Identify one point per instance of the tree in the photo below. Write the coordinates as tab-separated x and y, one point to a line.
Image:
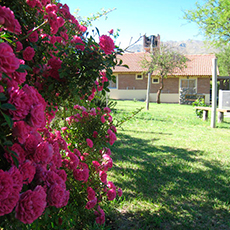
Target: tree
162	62
223	61
213	18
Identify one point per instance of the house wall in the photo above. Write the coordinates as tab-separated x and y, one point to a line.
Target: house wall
129	81
128	87
203	85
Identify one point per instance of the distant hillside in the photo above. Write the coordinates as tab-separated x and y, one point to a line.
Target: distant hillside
185	47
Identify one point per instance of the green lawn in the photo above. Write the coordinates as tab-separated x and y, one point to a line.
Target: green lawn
174	170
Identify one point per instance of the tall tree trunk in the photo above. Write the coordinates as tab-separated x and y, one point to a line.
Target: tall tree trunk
159	91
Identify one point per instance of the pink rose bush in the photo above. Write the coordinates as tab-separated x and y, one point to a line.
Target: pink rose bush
47	64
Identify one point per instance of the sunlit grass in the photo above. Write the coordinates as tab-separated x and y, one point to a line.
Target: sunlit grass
174	170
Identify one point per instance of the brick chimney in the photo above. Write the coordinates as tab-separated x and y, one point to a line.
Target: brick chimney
155	40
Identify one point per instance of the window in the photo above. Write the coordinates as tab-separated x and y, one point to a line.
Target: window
112	85
189	84
139	77
155	80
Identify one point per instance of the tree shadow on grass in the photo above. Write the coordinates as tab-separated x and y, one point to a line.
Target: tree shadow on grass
182	189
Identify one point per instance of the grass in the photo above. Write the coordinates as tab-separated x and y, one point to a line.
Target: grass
174	170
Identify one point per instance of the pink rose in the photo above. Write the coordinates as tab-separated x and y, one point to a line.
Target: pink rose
43	153
33	37
91	193
111	194
21	101
102	119
52	178
111	31
80	45
81	174
91	203
7	205
21	131
100	216
31	3
8	61
28	53
57	196
111	185
31	144
74	160
119	191
8	20
89	143
19	46
31	205
95	134
27	170
103	176
19	77
17	179
19	151
6	185
37	116
106	44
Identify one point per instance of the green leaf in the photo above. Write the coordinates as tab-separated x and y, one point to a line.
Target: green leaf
5	76
15	160
8	106
2	97
23	68
8	143
8	119
97	31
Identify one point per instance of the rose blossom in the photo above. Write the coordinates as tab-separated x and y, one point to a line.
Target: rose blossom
119	191
89	143
111	194
8	204
37	116
17	179
19	151
100	215
8	20
91	203
33	37
19	46
80	45
31	143
8	61
43	153
28	53
21	131
27	170
103	176
6	184
91	193
106	44
31	205
19	77
57	196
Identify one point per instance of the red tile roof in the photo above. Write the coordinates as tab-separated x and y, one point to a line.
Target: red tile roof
197	65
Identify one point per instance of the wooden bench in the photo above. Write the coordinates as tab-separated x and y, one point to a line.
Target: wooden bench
220	112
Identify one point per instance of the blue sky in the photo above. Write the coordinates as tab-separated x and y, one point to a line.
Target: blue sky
139	17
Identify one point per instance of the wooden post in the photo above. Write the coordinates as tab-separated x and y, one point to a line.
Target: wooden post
214	92
148	91
149	79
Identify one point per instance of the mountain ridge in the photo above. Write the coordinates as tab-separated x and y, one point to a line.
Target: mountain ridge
184	46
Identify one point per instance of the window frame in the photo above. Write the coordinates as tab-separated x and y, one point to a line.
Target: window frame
157	78
136	77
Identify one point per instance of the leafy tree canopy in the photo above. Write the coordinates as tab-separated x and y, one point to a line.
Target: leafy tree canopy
213	19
